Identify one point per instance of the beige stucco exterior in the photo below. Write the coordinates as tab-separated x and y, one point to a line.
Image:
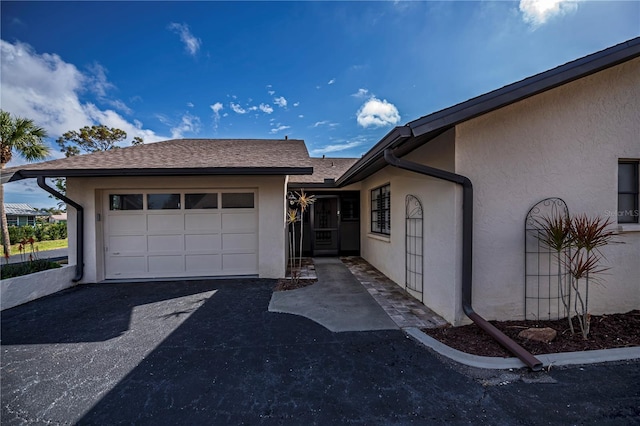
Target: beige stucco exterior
442	223
88	192
565	143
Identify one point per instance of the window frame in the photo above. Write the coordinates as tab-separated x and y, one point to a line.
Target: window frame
635	191
381	211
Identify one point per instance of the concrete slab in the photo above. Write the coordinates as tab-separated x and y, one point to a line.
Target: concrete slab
337	301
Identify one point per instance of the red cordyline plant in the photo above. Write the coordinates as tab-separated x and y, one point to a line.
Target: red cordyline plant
555	233
582	237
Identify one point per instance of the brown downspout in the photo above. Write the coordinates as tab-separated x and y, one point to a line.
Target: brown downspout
79	226
467	245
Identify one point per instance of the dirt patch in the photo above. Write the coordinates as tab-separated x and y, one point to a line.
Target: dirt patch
607	332
285	284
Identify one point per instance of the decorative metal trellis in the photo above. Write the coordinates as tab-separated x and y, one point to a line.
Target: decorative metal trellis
547	280
413	244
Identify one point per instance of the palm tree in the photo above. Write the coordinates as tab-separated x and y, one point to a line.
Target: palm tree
22	137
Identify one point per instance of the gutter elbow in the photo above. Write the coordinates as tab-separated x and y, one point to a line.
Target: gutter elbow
390	158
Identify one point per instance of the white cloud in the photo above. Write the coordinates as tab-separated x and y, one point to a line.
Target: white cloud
325	123
190	104
271	92
377	113
301	116
338	147
237	108
99	83
296	104
361	93
119	105
538	12
46	89
281	101
266	108
216	108
252	108
333	80
279	128
188	123
191	43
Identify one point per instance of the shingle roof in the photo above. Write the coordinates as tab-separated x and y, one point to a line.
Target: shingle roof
22	209
324	168
181	156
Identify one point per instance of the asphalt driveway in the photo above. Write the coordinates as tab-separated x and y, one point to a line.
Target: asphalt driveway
209	352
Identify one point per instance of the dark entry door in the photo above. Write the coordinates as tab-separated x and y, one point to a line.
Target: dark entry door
325	226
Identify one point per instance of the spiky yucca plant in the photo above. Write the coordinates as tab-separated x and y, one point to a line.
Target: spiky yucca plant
304	201
292	218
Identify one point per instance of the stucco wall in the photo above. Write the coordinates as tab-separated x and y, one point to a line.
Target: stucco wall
563	143
18	290
441	224
270	202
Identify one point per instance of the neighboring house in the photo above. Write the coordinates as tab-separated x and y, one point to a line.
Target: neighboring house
20	214
58	218
217	207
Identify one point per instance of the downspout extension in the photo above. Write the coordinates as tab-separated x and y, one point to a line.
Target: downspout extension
79	226
467	251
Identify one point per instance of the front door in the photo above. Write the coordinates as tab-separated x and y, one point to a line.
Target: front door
325	226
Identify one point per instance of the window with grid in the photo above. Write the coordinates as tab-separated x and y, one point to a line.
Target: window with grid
381	210
628	183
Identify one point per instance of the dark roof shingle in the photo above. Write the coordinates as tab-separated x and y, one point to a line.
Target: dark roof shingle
324	168
182	155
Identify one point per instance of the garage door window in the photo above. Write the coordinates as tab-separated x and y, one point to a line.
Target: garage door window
201	201
163	201
125	202
237	200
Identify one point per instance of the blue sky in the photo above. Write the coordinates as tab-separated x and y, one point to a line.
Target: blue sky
339	75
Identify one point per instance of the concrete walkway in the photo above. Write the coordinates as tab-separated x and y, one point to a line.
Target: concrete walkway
337	301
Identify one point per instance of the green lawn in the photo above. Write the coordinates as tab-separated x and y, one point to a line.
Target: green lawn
40	246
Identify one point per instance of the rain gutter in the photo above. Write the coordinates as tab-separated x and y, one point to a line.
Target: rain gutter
79	226
467	246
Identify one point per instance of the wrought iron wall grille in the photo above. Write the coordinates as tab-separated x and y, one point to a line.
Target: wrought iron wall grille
413	244
546	280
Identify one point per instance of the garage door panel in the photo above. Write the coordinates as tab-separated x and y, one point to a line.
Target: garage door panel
165	243
128	244
124	224
239	241
211	240
209	264
239	262
202	222
202	242
166	265
165	222
128	266
245	221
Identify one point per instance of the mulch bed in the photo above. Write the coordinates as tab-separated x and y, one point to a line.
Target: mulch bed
607	331
285	284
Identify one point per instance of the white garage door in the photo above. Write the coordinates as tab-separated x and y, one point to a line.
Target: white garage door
186	233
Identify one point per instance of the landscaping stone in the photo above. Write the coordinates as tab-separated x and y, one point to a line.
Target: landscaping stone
545	334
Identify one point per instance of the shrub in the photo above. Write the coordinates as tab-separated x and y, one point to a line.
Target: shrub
40	232
18	269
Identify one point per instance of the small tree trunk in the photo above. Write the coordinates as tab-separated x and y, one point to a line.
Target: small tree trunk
5	227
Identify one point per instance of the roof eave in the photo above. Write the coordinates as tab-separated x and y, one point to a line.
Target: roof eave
528	87
396	135
212	171
437	123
